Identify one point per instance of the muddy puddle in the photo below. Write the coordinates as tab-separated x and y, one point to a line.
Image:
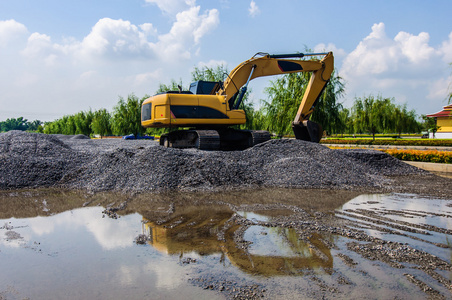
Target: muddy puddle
271	244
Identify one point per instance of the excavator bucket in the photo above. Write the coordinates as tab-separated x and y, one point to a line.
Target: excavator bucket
308	131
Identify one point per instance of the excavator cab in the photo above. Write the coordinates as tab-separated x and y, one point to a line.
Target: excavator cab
201	87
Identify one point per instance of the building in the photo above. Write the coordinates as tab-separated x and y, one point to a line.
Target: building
444	120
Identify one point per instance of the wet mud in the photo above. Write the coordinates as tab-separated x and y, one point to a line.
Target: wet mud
271	243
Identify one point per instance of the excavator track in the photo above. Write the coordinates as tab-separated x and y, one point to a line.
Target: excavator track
259	136
201	139
208	140
221	139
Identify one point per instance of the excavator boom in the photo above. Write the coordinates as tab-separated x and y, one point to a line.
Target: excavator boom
270	65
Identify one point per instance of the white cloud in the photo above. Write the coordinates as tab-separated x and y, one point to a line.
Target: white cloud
110	40
148	29
114	38
143	78
405	67
212	63
173	6
375	54
187	31
207	22
337	52
253	9
11	30
446	49
415	48
38	44
439	88
114	59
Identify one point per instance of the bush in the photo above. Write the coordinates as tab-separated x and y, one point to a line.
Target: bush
433	156
399	142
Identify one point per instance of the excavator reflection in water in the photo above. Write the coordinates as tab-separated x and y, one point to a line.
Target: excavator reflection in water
213	231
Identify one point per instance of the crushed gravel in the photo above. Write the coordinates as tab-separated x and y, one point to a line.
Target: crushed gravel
39	160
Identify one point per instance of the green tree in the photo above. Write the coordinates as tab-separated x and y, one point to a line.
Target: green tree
284	98
67	125
80	123
173	86
35	125
14	124
346	123
373	115
429	124
127	116
327	109
101	123
255	119
217	73
52	127
20	124
404	120
83	122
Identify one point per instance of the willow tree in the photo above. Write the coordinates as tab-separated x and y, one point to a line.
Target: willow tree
79	123
83	121
127	116
405	120
285	95
346	123
101	123
172	86
373	115
327	109
217	73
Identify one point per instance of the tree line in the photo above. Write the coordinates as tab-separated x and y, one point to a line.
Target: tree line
20	124
368	114
123	120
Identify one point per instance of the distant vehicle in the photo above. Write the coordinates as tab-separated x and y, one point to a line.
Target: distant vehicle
138	137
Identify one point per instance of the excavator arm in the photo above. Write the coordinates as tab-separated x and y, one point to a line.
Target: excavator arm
267	65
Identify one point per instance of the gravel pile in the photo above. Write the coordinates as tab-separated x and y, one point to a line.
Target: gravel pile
38	160
33	160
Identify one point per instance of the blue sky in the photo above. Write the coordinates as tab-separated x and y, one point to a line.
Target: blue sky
62	57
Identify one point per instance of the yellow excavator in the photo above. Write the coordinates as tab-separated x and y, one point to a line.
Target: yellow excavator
209	108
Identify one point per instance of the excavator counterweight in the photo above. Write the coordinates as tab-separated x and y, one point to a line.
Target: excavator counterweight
209	109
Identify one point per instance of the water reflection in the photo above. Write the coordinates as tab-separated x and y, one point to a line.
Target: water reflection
194	230
85	256
254	249
292	242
